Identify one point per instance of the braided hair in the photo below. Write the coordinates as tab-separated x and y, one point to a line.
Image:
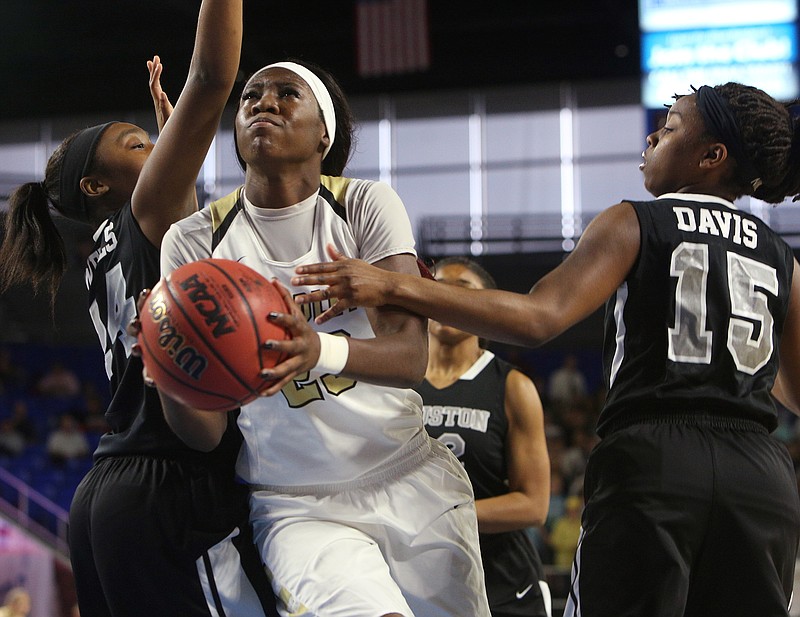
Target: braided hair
770	138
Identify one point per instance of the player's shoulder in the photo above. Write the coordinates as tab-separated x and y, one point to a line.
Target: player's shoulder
195	229
219	209
348	191
195	221
211	216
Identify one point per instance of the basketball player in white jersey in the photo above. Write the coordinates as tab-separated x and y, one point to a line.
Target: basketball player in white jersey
357	511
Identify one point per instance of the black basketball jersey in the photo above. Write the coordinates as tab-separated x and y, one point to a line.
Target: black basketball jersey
695	327
123	263
469	417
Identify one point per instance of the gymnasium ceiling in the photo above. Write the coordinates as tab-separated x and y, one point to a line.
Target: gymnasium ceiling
67	57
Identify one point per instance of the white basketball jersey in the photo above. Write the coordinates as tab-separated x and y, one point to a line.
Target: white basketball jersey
330	432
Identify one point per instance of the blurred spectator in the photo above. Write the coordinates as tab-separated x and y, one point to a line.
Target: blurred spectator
556	445
67	441
567	385
59	382
574	459
22	422
566	530
17	603
11	442
596	402
541	535
576	417
558	498
576	487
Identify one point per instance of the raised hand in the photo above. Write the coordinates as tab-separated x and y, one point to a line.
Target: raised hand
350	282
160	99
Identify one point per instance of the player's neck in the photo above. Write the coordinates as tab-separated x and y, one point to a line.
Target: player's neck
280	190
446	363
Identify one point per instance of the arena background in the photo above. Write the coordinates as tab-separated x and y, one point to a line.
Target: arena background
68	64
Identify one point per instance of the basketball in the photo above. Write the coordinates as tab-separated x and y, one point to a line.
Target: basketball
202	335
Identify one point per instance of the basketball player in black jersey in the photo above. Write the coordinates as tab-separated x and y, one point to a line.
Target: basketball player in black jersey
490	415
156	527
691	504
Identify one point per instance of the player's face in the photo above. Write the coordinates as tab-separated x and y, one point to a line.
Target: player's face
279	117
453	274
121	153
674	152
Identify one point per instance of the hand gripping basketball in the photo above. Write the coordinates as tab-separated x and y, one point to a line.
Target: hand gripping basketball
202	332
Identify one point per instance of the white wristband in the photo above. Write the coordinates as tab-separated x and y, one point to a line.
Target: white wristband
333	353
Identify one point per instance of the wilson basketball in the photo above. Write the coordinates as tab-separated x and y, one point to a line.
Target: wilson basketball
203	329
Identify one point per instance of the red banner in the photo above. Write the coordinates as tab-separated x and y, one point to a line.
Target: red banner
392	37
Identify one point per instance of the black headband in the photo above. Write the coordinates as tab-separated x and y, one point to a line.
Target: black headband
77	158
721	123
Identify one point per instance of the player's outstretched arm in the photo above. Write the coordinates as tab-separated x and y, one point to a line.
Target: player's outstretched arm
163	110
571	292
352	282
396	356
170	173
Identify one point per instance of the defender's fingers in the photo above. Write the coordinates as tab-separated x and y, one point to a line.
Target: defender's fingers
318	295
333	253
319	268
143	295
334	311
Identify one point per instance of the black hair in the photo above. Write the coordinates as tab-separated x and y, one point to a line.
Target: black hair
339	155
33	250
487	280
770	137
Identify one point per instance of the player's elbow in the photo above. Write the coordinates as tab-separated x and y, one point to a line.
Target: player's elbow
410	357
410	371
537	329
415	378
531	511
211	81
538	514
418	363
530	335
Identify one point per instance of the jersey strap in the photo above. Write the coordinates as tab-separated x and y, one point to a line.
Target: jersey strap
333	189
223	212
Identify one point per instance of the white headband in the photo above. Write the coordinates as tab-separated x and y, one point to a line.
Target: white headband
320	92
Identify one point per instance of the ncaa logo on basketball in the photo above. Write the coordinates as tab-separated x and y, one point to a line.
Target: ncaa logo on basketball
203	332
207	305
185	357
